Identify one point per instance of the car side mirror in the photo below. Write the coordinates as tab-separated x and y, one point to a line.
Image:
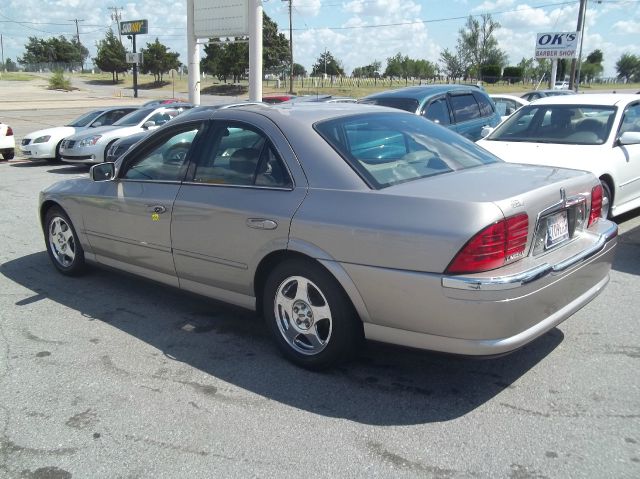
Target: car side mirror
629	138
148	124
96	124
103	172
485	131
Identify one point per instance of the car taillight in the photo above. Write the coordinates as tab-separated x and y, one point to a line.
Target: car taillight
596	204
9	131
493	247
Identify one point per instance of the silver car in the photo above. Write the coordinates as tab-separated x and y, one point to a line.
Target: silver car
339	222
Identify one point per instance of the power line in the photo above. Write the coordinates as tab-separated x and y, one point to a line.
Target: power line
116	16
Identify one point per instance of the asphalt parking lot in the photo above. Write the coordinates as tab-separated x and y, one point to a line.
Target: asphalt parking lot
111	376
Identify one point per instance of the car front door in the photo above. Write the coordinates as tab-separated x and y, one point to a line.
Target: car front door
466	112
627	158
128	222
437	110
234	208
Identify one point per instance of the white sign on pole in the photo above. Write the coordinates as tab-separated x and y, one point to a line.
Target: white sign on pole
134	57
557	45
221	18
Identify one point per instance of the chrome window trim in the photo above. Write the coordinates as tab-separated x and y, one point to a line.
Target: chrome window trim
223	185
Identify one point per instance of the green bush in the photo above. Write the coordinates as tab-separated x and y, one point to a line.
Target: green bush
490	73
512	74
59	82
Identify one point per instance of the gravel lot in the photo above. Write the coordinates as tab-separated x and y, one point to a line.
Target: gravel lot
112	376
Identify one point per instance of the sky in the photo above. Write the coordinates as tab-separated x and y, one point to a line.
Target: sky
356	32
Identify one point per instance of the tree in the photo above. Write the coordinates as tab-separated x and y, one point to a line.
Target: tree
476	42
232	59
299	70
453	64
628	67
368	71
157	59
592	66
111	55
595	56
528	68
326	63
10	65
53	51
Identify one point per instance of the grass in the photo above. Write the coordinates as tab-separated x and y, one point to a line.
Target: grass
16	76
58	81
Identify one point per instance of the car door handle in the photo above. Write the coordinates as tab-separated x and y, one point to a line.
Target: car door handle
156	208
261	224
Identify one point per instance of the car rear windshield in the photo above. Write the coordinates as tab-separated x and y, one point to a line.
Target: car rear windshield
85	119
406	104
387	149
134	117
567	124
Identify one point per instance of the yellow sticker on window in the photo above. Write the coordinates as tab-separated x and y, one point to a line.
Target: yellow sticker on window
155	217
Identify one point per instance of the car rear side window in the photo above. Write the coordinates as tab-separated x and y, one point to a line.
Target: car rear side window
241	156
438	112
406	104
465	107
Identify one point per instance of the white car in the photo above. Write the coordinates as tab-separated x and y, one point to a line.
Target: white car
599	133
92	146
7	142
561	85
507	104
45	144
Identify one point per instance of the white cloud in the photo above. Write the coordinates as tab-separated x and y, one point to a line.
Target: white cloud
627	26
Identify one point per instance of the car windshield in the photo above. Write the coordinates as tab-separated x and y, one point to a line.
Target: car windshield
387	149
566	124
134	117
406	104
85	119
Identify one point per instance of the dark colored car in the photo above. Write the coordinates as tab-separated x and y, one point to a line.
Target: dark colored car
534	95
462	108
272	99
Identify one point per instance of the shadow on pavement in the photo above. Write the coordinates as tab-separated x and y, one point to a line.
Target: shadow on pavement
404	386
70	170
627	259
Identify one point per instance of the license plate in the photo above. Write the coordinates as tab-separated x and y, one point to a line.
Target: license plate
557	229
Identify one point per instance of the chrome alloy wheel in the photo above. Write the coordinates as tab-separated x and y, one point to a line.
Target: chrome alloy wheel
61	241
303	315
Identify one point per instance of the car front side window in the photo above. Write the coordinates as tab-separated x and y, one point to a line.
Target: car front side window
465	107
163	161
438	112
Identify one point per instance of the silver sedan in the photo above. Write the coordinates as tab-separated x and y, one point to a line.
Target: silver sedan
343	222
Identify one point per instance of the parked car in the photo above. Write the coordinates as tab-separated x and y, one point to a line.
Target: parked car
45	144
273	99
462	108
536	94
7	142
596	132
507	104
123	144
561	85
92	146
342	222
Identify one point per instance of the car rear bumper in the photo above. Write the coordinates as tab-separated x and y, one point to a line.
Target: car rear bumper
482	315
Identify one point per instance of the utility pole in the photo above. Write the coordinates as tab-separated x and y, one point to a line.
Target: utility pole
581	14
116	16
78	39
290	46
4	67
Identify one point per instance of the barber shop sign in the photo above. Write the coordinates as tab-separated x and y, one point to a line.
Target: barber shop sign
557	45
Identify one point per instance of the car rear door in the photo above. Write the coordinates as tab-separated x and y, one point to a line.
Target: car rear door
627	158
234	208
467	116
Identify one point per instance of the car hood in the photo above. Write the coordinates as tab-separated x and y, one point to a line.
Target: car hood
581	157
107	132
55	132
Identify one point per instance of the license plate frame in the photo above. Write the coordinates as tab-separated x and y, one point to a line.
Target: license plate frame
557	230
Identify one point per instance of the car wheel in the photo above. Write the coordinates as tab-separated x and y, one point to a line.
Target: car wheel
9	154
309	315
63	246
106	150
58	157
606	200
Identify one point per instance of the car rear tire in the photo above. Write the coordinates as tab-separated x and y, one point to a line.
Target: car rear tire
8	154
309	315
606	200
63	246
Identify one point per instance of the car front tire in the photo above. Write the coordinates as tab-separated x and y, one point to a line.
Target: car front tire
309	315
63	246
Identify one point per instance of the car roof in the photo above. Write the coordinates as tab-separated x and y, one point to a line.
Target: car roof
419	93
588	99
